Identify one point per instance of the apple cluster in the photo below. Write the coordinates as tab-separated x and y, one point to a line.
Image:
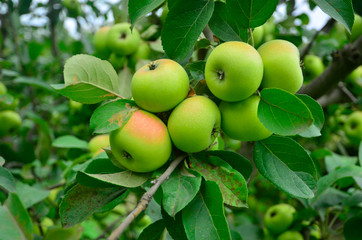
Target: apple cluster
119	44
234	72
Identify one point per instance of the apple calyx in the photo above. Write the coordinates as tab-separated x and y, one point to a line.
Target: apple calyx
127	156
152	66
123	36
221	74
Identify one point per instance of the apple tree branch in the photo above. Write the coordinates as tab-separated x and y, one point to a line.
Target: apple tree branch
344	62
145	200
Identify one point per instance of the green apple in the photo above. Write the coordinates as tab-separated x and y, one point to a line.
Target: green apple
100	42
117	61
269	27
290	235
3	89
160	85
279	218
239	120
233	71
232	144
122	40
258	35
313	66
356	30
194	124
143	51
97	143
353	127
75	106
281	66
10	122
354	81
143	144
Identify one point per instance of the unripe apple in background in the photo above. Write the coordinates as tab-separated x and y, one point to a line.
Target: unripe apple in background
233	71
117	61
239	120
290	235
354	81
356	30
3	89
97	143
313	66
279	218
281	66
194	124
100	43
143	144
10	122
160	85
122	40
232	144
353	127
75	106
258	35
143	52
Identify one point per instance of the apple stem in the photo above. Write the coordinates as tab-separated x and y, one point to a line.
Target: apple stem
145	200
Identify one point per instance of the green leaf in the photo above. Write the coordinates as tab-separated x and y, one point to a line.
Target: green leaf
342	11
112	204
86	93
153	231
326	181
231	183
81	201
235	160
89	80
30	195
179	190
317	112
197	71
352	228
126	178
37	82
112	115
184	24
249	13
101	172
15	221
287	165
335	161
125	78
204	217
7	180
139	8
174	226
283	113
360	154
69	141
224	26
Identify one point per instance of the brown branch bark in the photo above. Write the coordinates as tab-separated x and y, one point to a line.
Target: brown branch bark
338	95
344	62
146	198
